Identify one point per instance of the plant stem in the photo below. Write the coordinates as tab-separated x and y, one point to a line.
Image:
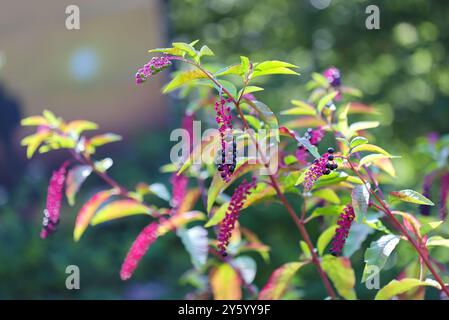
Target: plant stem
298	222
423	255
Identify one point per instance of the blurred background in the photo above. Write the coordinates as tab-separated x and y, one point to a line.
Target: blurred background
402	68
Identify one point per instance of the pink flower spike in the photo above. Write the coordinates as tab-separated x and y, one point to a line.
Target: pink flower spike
320	166
154	66
341	234
54	198
235	205
138	249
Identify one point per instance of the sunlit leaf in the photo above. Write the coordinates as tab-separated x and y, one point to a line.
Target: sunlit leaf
327	211
360	199
34	141
325	100
102	139
437	241
218	184
279	281
247	267
189	49
340	271
310	147
88	210
395	287
76	127
301	108
75	178
363	125
357	235
385	165
324	239
266	115
225	283
34	121
374	157
196	243
412	196
280	70
377	254
357	141
369	147
119	209
182	78
429	226
205	51
179	220
328	195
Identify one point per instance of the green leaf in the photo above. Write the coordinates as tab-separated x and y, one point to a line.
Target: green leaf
306	143
325	100
103	165
360	199
225	283
357	235
305	249
340	271
234	69
218	185
244	63
205	51
374	157
437	241
377	254
75	178
429	226
327	211
330	179
357	141
34	141
183	78
119	209
250	89
158	189
51	118
301	108
196	242
324	239
273	64
290	159
363	125
189	49
34	121
370	147
412	196
342	124
170	51
279	281
280	70
218	215
266	115
328	195
320	79
88	210
395	287
102	139
247	267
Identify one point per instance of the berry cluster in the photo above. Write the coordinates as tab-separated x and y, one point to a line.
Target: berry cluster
334	78
341	234
228	160
319	167
154	66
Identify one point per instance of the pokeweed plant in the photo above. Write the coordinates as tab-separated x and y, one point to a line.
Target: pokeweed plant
339	185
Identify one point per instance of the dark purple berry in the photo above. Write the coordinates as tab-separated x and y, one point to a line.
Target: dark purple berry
330	157
330	150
